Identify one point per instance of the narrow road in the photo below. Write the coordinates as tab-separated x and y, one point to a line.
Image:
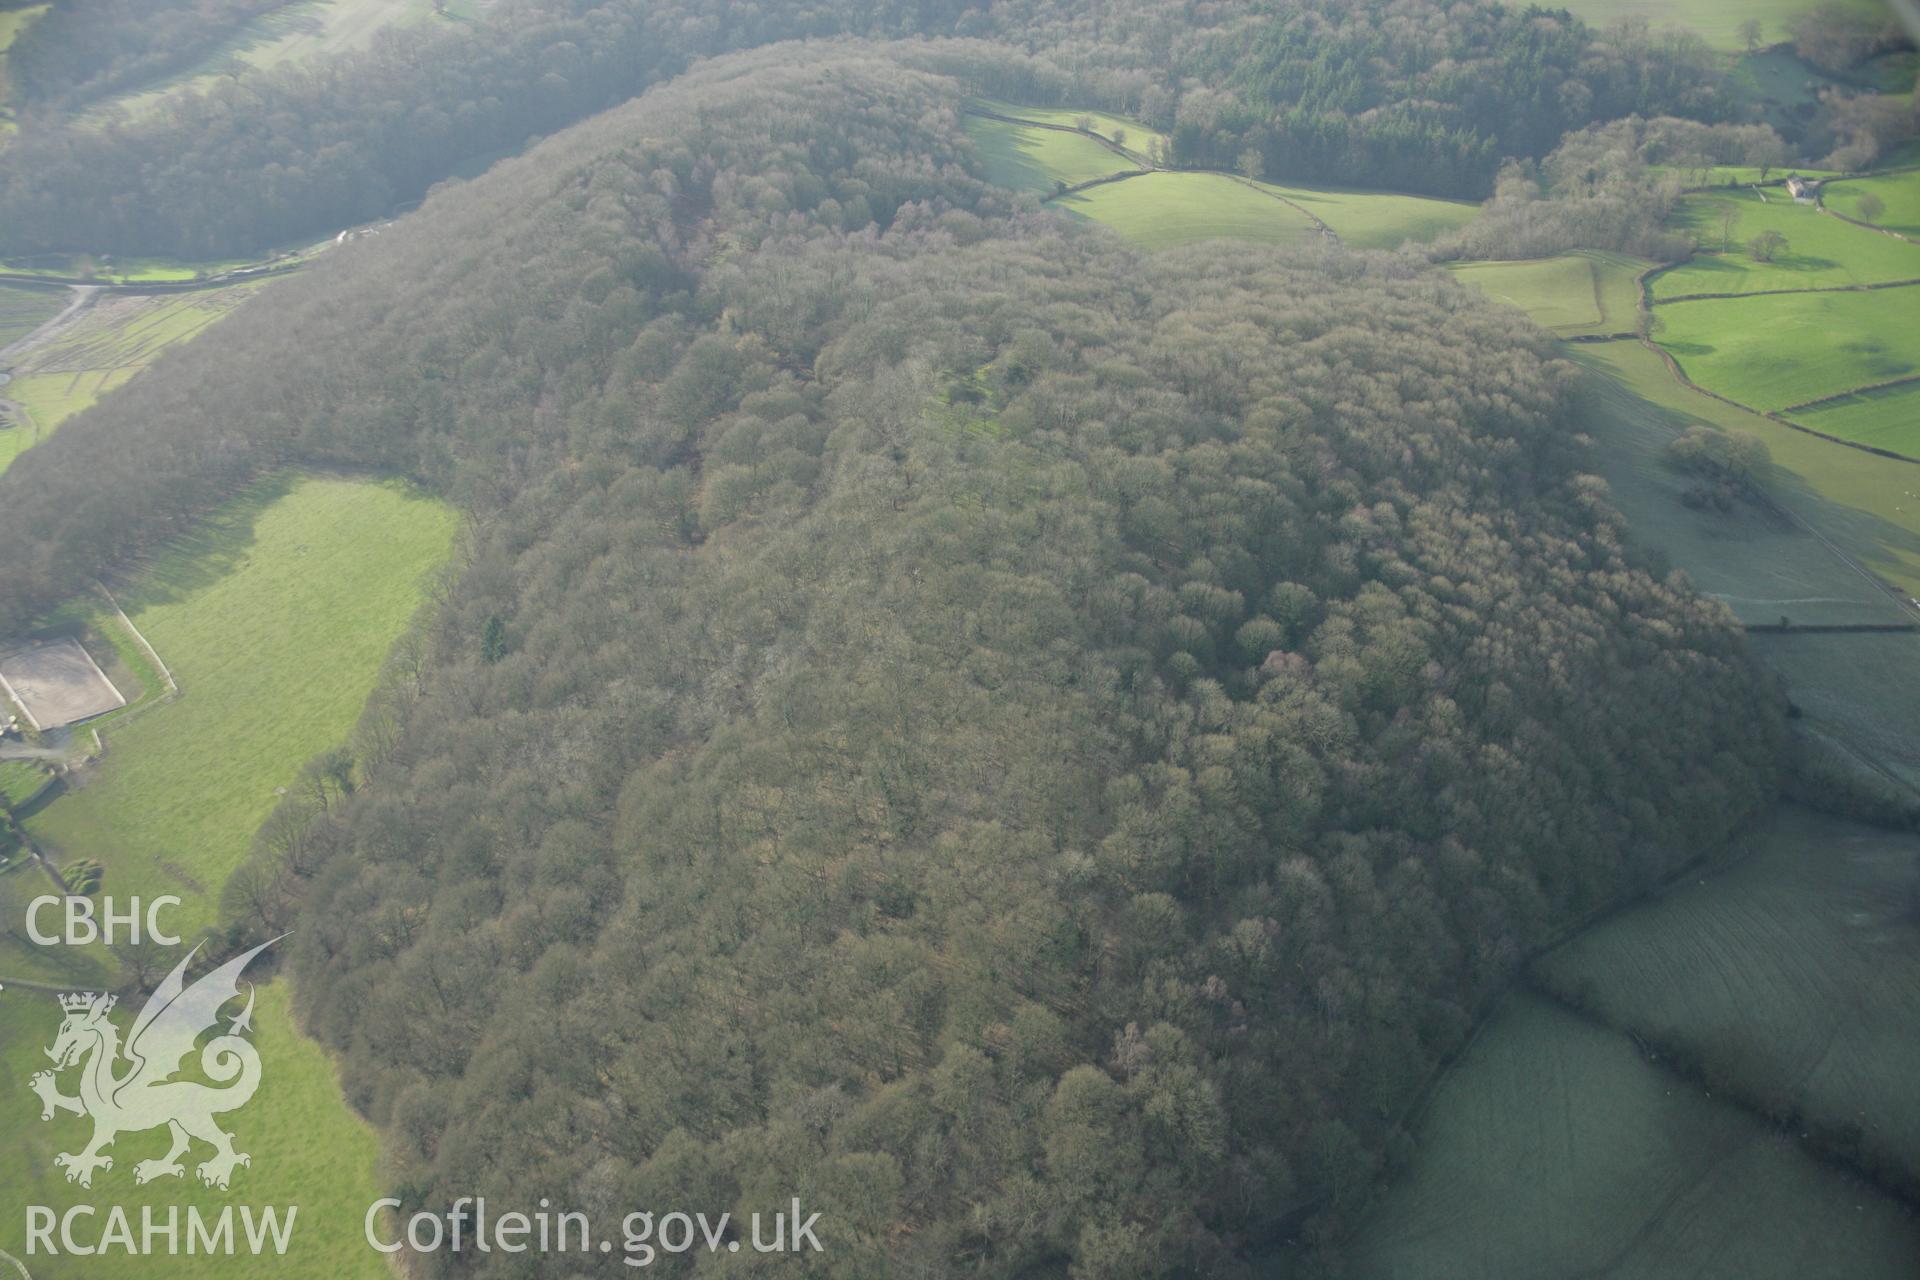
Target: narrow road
84	296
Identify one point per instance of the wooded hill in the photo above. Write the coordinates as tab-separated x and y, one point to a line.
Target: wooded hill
1433	94
1036	749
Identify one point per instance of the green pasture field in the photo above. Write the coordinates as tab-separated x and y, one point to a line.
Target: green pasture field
1858	691
1714	20
1130	134
305	29
1379	219
1886	418
1159	210
128	331
1796	971
1785	349
309	1150
14	21
24	310
49	400
68	267
1739	176
1899	192
1755	560
19	779
1822	251
1039	160
24	961
275	617
1868	506
1778	87
1555	1149
1575	295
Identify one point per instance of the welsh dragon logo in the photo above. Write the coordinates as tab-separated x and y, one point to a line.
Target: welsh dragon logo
126	1089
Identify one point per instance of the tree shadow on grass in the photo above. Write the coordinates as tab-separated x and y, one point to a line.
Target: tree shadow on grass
1862	531
217	546
1678	349
1751	543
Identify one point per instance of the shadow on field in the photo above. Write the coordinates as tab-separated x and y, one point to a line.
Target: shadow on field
217	547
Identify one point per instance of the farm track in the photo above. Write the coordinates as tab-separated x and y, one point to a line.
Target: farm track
14	352
84	296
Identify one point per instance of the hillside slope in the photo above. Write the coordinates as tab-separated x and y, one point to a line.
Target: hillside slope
1033	749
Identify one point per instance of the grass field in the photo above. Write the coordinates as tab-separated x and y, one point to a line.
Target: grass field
1761	564
1715	20
1554	1149
128	331
1576	294
309	1150
1822	251
1798	969
1167	208
1131	134
1778	87
1739	176
12	23
67	268
1886	418
49	400
1379	219
1158	210
1868	506
111	342
1857	690
305	29
1899	192
1039	160
24	310
274	618
19	779
1778	351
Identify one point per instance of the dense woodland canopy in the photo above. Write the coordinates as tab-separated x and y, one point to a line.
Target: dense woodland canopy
1435	93
1610	186
1037	749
